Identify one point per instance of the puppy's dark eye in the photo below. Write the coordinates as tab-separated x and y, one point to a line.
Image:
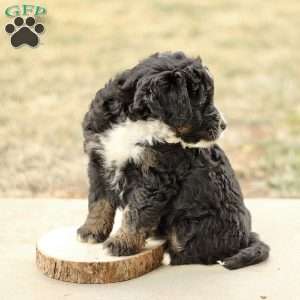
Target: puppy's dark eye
209	110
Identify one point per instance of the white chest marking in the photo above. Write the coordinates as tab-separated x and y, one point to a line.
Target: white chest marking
126	141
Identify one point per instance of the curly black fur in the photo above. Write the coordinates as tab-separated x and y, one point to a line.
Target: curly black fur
169	187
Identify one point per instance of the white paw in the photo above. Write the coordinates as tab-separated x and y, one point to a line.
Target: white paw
166	259
80	239
89	240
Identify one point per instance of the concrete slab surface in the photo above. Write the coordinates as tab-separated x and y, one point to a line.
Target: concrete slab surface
23	221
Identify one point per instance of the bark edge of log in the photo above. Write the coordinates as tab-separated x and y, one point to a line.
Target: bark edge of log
100	272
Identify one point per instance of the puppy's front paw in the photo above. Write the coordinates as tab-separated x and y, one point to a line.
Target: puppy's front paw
91	234
124	244
98	224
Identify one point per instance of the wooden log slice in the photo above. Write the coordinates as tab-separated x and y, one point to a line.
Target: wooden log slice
61	256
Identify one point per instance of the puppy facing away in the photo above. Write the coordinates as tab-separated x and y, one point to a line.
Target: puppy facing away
150	136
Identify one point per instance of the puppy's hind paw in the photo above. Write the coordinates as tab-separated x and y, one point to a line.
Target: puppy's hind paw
124	244
119	247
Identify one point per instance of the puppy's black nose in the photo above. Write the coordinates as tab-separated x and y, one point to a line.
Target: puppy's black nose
223	125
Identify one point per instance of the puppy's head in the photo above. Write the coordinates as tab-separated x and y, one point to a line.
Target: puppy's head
179	92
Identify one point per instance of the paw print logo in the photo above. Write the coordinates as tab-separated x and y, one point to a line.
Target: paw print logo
24	33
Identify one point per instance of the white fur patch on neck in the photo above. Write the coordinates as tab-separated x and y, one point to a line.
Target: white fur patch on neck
125	141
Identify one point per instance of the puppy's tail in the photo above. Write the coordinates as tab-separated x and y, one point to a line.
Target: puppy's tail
256	252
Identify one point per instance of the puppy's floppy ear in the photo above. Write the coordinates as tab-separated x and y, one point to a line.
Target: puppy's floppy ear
139	108
199	73
208	81
164	96
147	96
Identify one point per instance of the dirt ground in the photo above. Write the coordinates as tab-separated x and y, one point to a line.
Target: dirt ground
251	48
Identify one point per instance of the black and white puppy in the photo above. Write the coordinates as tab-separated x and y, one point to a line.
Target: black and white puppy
150	136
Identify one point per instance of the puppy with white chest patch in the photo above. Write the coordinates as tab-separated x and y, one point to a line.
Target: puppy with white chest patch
150	135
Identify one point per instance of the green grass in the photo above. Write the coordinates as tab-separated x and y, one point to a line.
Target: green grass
251	47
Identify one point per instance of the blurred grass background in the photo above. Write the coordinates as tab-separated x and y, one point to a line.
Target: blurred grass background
251	47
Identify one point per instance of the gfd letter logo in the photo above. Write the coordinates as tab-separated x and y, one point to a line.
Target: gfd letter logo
24	30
